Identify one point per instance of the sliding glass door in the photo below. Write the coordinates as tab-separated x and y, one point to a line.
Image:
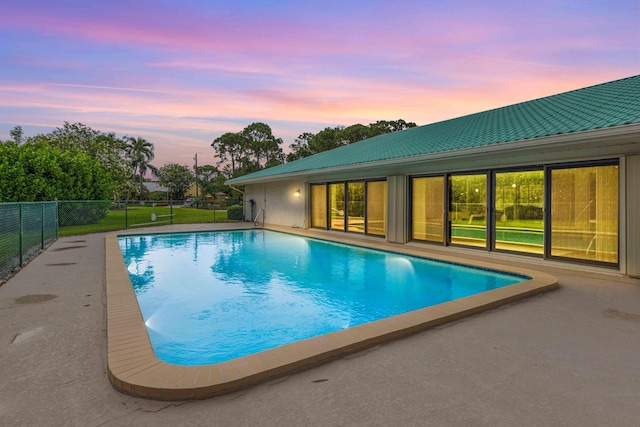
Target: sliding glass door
584	213
519	211
427	208
468	210
558	211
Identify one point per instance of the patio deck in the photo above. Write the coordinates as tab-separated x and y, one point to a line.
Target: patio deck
567	357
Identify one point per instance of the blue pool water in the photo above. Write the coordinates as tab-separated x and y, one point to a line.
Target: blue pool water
216	296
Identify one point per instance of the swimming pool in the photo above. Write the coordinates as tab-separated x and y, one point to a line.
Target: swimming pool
211	297
134	368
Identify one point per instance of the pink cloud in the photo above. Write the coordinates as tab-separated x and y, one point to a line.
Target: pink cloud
191	75
173	27
275	37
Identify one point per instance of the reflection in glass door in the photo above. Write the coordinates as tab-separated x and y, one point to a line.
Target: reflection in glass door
355	207
336	200
519	208
468	209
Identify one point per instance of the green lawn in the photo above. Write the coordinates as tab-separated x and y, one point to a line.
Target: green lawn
141	216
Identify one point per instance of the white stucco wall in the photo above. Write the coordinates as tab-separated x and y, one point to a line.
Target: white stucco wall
281	206
633	215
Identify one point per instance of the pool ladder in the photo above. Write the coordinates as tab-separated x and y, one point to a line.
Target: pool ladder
255	220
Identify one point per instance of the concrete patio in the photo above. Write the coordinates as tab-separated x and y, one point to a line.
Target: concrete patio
569	357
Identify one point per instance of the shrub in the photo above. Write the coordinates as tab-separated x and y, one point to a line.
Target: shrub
157	195
235	213
38	172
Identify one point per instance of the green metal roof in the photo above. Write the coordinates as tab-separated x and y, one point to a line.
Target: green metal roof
605	105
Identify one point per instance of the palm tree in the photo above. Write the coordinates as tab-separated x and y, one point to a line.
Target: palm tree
140	154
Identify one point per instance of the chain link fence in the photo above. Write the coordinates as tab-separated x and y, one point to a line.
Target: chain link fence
25	230
83	217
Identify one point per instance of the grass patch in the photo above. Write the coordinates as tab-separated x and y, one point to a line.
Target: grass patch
141	216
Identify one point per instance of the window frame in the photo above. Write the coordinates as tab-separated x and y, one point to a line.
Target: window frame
490	175
366	207
487	209
344	206
345	225
326	204
530	168
444	213
549	212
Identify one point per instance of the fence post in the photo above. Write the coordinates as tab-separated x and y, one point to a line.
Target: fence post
126	214
42	225
171	211
20	244
56	217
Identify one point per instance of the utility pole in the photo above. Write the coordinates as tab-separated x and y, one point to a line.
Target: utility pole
196	170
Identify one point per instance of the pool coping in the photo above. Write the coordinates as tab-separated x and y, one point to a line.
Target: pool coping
134	369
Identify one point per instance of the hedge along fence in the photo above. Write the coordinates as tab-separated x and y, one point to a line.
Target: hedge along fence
26	228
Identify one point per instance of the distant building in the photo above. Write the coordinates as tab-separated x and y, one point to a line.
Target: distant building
153	186
199	194
556	178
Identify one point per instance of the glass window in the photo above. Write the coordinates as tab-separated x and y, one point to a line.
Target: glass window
584	213
319	205
336	199
519	207
376	207
355	207
467	210
427	213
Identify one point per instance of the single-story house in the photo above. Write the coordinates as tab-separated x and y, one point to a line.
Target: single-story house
195	191
556	178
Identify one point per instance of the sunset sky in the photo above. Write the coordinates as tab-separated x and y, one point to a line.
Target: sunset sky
181	73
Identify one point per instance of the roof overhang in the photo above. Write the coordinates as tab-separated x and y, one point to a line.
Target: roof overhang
586	145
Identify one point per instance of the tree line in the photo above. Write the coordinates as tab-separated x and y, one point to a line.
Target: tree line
73	162
255	147
76	162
